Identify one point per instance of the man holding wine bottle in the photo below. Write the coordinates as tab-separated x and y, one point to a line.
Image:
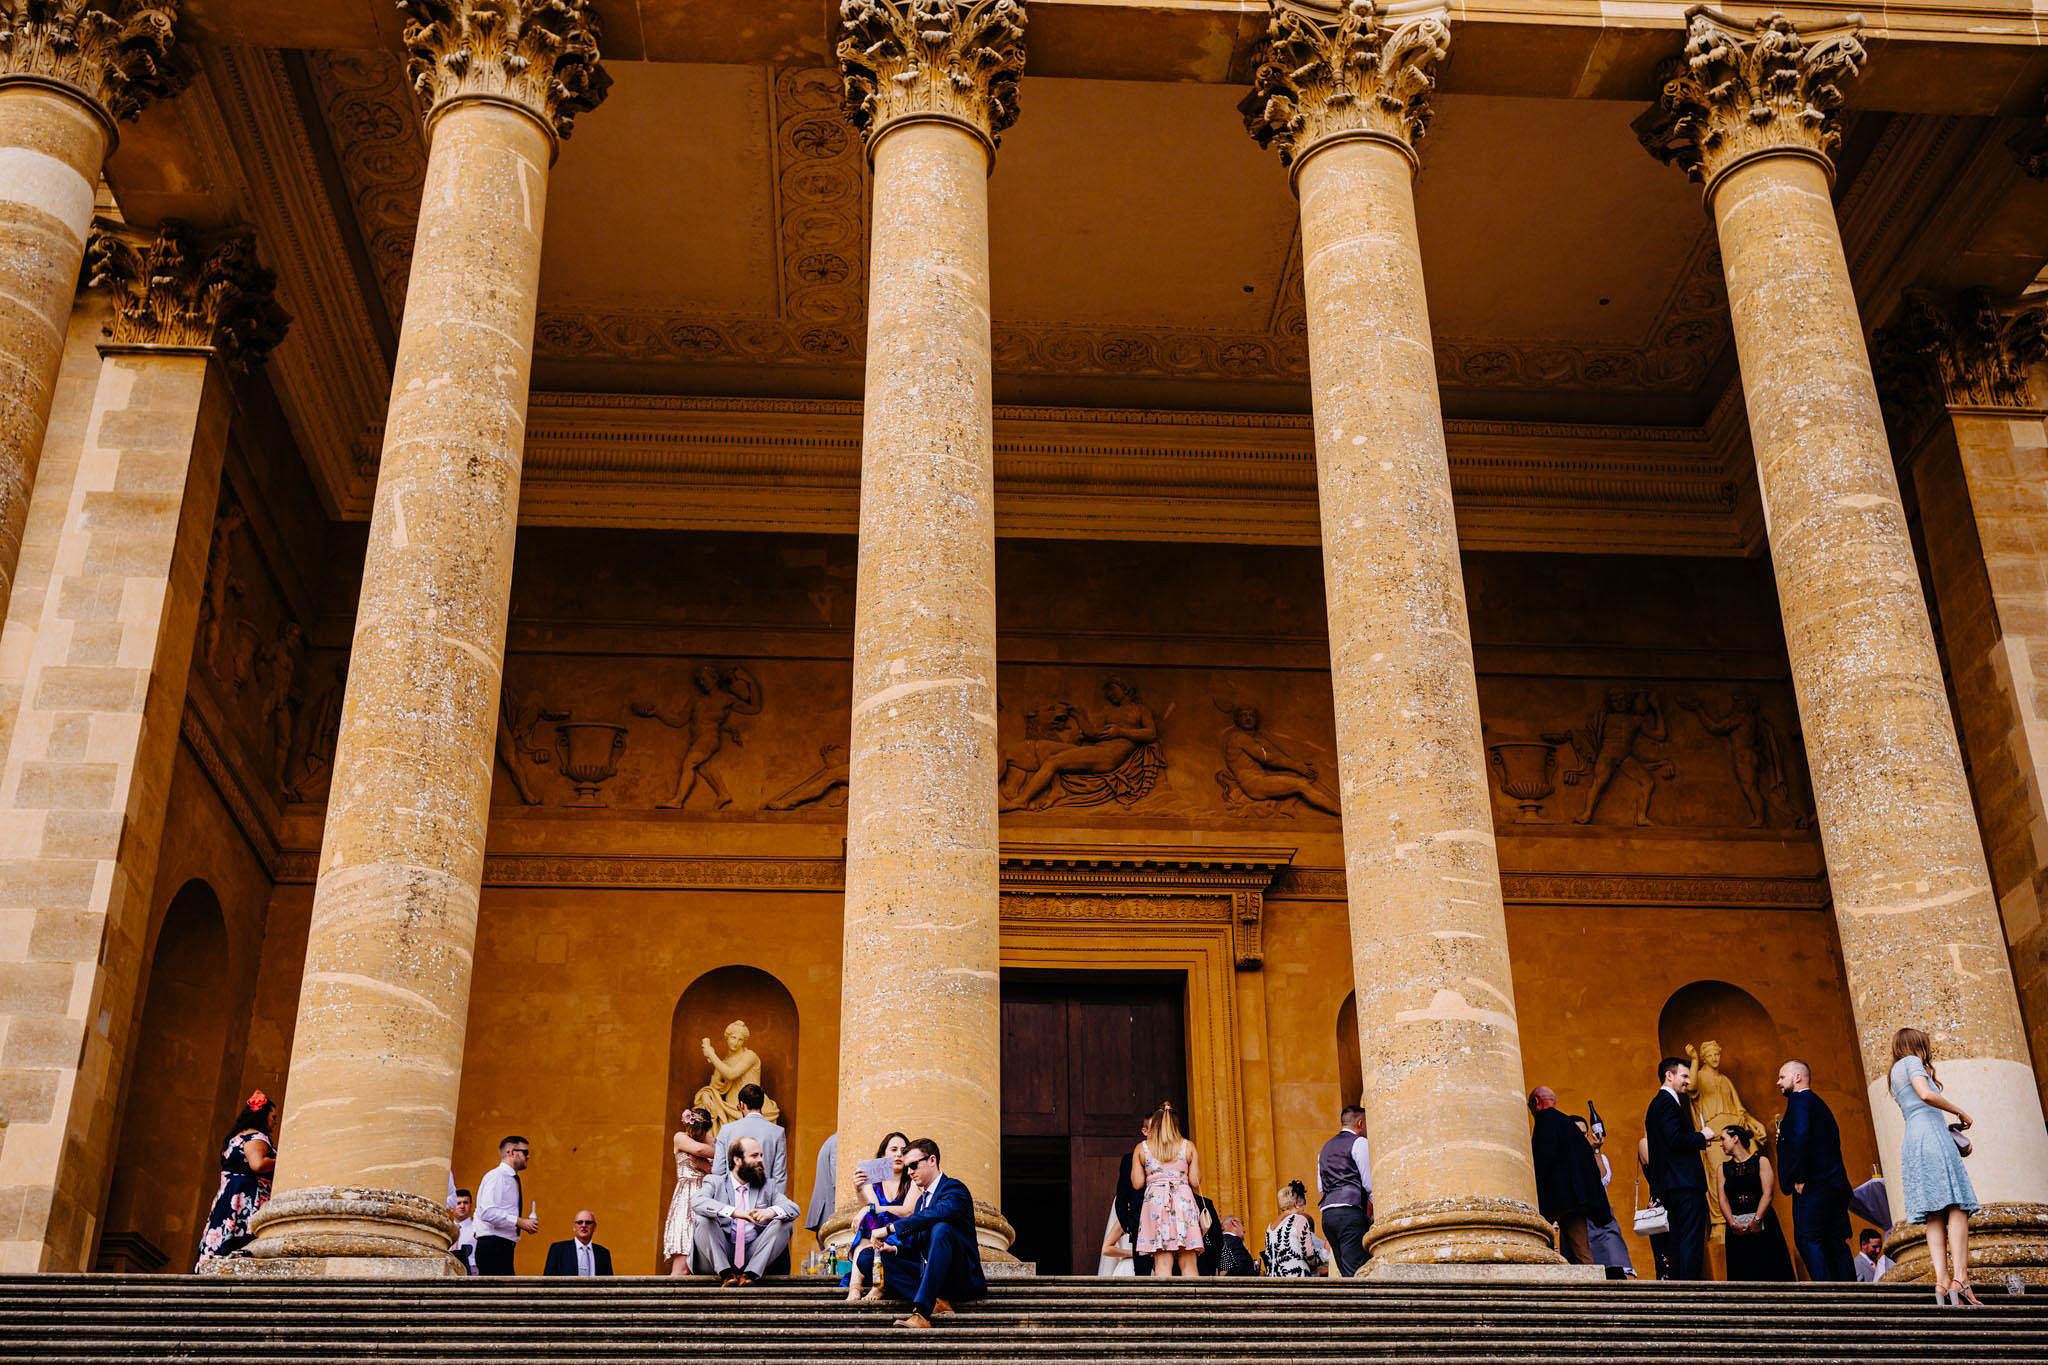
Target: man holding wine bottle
498	1199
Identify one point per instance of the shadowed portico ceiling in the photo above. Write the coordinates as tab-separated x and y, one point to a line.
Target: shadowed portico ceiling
707	232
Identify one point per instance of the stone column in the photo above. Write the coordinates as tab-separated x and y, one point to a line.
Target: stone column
1969	428
930	84
83	790
369	1111
1749	112
1344	97
69	70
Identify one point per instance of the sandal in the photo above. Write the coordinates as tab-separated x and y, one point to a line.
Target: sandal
1941	1292
1962	1294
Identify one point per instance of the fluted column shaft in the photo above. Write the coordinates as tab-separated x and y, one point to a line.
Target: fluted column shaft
1441	1054
1921	940
369	1111
920	1045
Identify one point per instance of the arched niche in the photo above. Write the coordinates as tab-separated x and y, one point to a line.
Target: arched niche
166	1166
711	1002
1350	1071
1731	1016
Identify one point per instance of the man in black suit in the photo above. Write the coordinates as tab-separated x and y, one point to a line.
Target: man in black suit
1568	1188
933	1258
1675	1170
1810	1169
580	1255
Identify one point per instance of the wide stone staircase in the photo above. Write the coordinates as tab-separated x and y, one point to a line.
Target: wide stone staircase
67	1319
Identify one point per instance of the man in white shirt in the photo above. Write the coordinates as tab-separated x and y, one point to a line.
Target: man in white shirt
744	1221
460	1206
581	1254
1871	1262
499	1198
1344	1188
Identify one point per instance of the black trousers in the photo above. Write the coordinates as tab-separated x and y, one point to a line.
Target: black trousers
1345	1226
1820	1229
1688	1235
494	1255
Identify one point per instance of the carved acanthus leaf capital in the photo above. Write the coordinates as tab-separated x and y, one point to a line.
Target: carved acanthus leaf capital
541	55
1742	89
1966	351
176	287
1336	68
118	54
953	60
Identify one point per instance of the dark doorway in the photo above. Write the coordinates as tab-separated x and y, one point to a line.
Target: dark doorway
1086	1057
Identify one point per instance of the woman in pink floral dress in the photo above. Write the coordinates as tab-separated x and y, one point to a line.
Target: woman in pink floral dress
1168	1169
246	1161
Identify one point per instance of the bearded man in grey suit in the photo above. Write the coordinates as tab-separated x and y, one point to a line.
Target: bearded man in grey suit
744	1220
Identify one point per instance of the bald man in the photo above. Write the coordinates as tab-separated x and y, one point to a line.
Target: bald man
1810	1169
581	1254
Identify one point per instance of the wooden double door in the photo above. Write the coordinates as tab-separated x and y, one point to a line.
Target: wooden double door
1086	1058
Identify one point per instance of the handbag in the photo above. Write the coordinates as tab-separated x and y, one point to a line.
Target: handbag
1963	1144
1652	1221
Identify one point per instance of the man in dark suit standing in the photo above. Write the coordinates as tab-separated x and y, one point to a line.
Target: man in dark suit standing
580	1255
933	1259
1810	1169
1568	1188
1675	1170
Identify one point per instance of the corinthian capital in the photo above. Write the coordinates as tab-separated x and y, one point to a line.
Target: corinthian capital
175	287
1743	89
1966	351
1338	67
953	61
116	54
539	55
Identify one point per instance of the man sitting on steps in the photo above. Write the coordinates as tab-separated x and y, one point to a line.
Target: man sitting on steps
933	1258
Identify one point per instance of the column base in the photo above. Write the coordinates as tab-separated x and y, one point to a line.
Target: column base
1466	1232
1497	1272
363	1227
337	1267
2008	1245
991	1229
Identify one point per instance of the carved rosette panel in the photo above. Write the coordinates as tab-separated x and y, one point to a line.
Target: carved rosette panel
1969	351
374	127
957	60
1743	89
539	54
118	54
175	287
1332	69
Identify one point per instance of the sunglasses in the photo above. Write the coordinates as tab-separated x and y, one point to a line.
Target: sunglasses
914	1164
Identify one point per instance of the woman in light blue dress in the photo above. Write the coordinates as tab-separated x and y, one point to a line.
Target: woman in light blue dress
1935	1189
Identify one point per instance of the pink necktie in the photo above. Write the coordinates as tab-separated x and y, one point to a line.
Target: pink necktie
741	1227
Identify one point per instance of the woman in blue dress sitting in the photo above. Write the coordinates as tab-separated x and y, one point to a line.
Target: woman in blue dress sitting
1935	1189
885	1205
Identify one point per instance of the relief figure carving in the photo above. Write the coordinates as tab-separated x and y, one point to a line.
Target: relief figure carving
315	726
1259	774
1608	745
221	583
707	721
1757	754
516	746
1116	758
828	783
280	702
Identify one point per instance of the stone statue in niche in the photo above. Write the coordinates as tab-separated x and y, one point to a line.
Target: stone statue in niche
221	583
280	706
516	747
1757	754
1609	745
741	1066
827	784
1260	776
1072	759
706	720
1718	1104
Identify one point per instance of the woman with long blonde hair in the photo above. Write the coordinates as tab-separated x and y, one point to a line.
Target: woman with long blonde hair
1167	1168
1934	1187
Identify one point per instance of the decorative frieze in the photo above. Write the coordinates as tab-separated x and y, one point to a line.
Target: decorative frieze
1744	88
956	61
1966	351
1333	70
116	54
176	287
540	55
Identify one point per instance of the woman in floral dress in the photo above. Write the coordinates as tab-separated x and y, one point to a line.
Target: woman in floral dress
693	1152
246	1161
1168	1169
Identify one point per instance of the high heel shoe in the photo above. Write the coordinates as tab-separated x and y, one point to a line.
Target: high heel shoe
1962	1294
1941	1293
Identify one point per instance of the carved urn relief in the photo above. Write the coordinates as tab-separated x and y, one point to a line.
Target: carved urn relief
589	752
1526	770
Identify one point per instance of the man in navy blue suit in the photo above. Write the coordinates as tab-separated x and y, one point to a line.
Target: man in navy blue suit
1810	1169
933	1258
1675	1171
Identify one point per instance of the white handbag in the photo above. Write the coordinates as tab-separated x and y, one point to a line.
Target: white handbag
1653	1220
